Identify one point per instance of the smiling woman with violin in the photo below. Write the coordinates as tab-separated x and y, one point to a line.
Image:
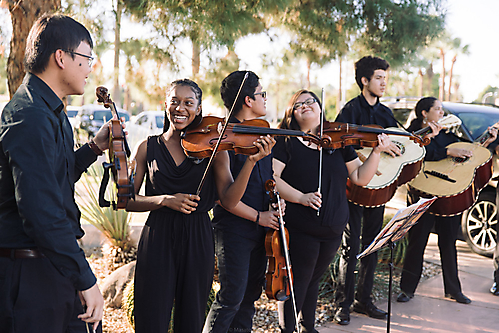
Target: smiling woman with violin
175	257
314	238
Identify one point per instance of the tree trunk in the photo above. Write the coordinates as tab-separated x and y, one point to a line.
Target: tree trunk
450	77
196	57
441	91
117	47
308	74
339	101
430	74
23	14
421	81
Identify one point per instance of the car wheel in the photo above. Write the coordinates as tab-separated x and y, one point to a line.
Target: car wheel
478	224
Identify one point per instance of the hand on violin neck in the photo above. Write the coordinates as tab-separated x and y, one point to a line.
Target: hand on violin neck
101	138
269	219
264	145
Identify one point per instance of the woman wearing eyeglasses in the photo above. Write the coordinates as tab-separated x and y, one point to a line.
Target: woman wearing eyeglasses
313	238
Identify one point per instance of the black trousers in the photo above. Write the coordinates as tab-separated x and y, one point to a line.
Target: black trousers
241	271
175	264
36	298
355	234
496	252
310	257
447	229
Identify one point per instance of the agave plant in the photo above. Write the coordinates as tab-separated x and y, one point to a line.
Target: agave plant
114	224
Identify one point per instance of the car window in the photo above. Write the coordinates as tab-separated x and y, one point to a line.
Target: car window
477	123
141	120
160	121
125	115
104	115
72	113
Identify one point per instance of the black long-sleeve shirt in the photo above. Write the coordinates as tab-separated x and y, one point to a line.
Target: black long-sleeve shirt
358	111
38	170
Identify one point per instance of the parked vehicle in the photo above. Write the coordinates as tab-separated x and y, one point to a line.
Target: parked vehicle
143	125
72	112
91	117
479	222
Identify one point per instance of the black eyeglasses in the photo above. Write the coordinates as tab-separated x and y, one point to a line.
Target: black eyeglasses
90	58
263	93
308	102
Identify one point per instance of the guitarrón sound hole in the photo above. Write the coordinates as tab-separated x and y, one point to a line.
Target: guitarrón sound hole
460	159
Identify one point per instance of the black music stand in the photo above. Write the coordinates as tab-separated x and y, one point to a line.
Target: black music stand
395	230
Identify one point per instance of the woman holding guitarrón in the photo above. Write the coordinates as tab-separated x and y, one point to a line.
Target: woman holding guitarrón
428	112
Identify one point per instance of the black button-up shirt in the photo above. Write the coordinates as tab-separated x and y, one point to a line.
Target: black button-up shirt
38	170
358	111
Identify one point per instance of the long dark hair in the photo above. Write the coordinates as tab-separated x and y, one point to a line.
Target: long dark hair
197	92
424	104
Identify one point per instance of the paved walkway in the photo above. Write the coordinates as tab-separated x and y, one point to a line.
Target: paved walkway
429	311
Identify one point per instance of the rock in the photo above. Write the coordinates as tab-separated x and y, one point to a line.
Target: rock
112	287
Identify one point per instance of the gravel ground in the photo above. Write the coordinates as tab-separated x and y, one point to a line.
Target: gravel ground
266	317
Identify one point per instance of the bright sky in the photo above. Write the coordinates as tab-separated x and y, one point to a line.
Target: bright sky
474	22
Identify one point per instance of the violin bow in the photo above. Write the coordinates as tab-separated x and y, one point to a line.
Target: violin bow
287	260
320	148
221	134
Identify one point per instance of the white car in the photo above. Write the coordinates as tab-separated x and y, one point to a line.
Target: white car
143	125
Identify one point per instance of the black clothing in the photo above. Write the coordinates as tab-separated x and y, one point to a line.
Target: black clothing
358	111
38	170
446	228
313	240
302	173
357	235
240	249
175	258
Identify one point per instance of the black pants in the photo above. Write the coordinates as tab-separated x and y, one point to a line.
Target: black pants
241	264
447	229
496	252
36	298
175	263
355	231
310	257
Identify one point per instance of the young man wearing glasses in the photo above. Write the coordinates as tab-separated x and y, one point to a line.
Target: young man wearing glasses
240	232
46	284
365	109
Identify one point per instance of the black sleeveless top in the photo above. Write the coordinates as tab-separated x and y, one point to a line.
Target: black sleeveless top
165	177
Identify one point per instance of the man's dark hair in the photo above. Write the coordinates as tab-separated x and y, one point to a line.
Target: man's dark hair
231	84
50	33
366	66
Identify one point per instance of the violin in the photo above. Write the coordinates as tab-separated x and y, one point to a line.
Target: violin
338	135
119	151
200	140
279	277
